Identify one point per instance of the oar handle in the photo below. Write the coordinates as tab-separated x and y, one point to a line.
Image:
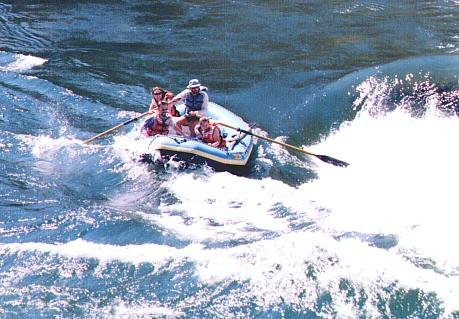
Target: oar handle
89	140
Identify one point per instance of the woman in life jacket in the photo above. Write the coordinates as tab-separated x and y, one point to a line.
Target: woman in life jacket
209	133
158	124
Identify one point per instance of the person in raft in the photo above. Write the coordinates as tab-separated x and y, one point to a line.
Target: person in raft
170	106
160	123
209	133
196	102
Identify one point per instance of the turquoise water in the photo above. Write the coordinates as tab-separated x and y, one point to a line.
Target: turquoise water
90	232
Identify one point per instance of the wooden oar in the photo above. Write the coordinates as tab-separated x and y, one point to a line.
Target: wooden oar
89	140
324	158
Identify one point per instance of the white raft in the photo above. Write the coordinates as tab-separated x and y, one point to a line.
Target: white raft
234	157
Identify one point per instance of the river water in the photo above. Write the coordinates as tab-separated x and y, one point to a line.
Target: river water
88	231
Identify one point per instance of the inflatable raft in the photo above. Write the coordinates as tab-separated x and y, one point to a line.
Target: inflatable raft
234	157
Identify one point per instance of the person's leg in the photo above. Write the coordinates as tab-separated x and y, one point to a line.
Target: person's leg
192	125
178	125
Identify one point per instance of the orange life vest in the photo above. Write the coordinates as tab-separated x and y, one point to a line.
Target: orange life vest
160	126
207	136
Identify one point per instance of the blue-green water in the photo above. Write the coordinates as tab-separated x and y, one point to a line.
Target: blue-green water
90	232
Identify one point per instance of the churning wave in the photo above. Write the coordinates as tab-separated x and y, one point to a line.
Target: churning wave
19	62
349	242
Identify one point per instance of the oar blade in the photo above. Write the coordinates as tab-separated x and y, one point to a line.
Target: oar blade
331	160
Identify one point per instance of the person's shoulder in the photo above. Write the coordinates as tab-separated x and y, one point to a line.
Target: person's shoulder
183	93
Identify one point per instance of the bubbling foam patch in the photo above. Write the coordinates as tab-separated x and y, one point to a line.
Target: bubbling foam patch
23	63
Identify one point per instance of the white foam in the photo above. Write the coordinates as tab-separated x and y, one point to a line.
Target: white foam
158	255
400	183
45	146
144	311
220	207
23	63
300	267
401	175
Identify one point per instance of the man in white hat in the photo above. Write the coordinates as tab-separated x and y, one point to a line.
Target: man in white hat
196	102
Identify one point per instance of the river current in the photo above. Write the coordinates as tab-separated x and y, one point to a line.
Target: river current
88	231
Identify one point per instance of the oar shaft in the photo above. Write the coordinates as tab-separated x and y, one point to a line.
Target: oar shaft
324	158
267	139
89	140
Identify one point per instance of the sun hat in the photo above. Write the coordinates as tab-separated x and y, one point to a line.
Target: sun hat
194	83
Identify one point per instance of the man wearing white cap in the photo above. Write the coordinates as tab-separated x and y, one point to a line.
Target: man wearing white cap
196	102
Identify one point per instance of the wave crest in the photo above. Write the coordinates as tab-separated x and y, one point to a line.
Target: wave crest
418	98
23	63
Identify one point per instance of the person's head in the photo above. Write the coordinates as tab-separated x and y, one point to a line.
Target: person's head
204	122
163	111
169	96
194	86
158	93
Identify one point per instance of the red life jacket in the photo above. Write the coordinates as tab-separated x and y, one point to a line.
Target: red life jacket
207	136
160	126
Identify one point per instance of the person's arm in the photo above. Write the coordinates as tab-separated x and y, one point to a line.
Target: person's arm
179	97
197	131
178	126
153	106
